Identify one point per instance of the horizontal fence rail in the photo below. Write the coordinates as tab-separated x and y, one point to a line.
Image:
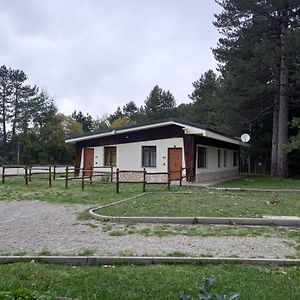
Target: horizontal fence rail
143	180
103	174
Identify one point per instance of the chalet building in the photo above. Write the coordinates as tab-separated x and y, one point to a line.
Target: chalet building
163	146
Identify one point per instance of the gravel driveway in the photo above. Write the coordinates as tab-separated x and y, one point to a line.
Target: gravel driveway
36	226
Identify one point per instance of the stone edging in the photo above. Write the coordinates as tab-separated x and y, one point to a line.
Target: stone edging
274	221
114	260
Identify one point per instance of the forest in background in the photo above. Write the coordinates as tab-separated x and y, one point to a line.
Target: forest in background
256	90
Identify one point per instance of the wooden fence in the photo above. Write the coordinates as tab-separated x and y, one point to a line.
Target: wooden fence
29	173
105	173
93	173
143	174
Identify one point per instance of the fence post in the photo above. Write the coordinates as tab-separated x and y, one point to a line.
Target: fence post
67	177
50	176
91	175
117	181
26	175
30	173
54	172
3	174
169	181
111	173
180	182
82	179
144	180
76	172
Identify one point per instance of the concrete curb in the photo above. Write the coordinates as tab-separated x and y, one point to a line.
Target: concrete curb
253	190
274	221
114	260
200	220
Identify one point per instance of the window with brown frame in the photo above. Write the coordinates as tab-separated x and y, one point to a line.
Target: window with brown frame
110	156
235	158
202	157
148	156
225	158
219	158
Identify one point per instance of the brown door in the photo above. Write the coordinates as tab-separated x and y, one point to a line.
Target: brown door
174	163
88	160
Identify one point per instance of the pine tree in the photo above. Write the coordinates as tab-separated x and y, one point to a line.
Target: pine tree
256	60
6	91
159	104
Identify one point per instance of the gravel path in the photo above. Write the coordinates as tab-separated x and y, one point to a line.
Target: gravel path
36	226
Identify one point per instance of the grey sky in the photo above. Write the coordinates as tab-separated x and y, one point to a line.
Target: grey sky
95	55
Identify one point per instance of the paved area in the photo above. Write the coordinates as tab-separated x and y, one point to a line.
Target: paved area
37	226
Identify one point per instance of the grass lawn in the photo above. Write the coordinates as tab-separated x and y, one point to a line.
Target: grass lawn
120	229
98	193
262	182
149	282
208	203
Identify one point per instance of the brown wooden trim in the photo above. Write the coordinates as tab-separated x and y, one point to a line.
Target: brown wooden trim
202	140
171	131
78	151
190	156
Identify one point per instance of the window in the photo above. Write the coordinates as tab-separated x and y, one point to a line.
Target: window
201	157
110	156
219	158
225	158
148	156
235	158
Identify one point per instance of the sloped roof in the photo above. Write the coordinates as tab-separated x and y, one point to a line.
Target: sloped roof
188	127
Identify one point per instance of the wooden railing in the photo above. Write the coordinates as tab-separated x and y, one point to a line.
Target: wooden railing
105	173
144	181
28	172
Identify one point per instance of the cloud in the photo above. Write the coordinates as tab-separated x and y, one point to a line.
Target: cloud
96	55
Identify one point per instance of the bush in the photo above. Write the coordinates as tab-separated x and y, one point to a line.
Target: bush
205	293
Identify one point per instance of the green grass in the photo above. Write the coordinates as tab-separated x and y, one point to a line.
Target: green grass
202	230
96	193
262	182
149	282
208	203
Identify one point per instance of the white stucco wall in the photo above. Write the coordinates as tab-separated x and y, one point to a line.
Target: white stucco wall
212	160
129	156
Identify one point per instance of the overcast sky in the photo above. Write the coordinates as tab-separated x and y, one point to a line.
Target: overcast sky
96	55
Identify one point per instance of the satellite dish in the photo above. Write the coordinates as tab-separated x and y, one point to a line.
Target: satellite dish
245	137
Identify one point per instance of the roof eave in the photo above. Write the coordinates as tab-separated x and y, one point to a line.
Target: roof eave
120	131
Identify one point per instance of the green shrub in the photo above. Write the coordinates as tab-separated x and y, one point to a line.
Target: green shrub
205	293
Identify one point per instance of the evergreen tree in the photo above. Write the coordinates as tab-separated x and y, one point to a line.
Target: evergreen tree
159	104
256	61
131	112
207	104
86	121
6	91
116	115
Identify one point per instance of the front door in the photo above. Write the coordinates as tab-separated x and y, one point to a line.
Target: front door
174	163
88	161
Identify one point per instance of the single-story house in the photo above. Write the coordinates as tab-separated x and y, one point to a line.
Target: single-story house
162	146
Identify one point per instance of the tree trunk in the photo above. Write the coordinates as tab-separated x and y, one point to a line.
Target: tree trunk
4	119
275	136
16	108
282	160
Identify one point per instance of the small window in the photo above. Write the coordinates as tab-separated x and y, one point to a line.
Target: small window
201	157
225	158
110	156
148	156
219	158
235	158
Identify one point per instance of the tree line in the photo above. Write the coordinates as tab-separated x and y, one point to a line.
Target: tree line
256	90
32	130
